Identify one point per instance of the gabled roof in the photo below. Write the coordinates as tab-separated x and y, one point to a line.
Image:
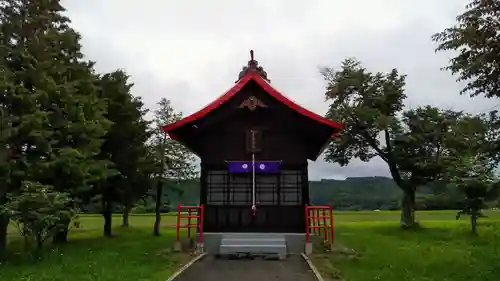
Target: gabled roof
264	84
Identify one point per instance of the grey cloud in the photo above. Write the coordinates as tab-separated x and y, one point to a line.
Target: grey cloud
191	51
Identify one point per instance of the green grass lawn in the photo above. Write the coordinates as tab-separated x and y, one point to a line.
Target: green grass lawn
443	249
133	254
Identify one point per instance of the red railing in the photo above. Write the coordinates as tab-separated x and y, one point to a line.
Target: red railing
320	218
193	212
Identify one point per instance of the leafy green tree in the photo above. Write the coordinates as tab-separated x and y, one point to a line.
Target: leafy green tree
411	142
18	111
420	149
473	175
39	213
57	118
475	44
19	114
470	166
125	147
5	131
173	161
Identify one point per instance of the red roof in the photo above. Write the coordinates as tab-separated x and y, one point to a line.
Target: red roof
249	76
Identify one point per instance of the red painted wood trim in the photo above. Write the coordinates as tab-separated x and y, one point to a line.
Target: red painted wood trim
236	89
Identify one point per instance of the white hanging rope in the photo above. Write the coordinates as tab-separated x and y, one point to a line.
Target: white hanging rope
254	207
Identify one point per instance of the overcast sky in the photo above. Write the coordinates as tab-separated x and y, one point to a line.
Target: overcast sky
192	51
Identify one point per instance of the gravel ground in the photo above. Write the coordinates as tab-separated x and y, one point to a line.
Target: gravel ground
293	268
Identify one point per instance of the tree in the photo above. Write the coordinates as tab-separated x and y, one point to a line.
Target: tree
476	45
471	167
18	111
39	213
173	161
477	180
58	121
5	165
411	142
125	147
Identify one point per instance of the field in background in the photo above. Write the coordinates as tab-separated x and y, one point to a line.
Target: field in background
443	249
343	217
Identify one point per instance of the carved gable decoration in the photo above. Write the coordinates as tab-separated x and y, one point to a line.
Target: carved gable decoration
252	103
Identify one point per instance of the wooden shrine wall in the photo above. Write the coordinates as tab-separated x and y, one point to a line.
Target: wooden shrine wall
280	198
226	132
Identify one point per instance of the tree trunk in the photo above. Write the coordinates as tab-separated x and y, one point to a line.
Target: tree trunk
39	242
473	220
107	214
159	187
126	213
408	208
62	235
159	195
4	224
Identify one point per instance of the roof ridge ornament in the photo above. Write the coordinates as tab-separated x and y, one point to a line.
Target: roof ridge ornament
253	65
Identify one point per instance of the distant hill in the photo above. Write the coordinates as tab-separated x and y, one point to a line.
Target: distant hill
358	193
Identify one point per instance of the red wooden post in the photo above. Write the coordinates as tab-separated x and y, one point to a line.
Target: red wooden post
178	221
307	224
317	229
200	221
324	226
332	228
312	220
189	222
312	213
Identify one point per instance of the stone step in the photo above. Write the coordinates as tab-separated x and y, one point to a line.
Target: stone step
253	249
266	241
252	235
253	244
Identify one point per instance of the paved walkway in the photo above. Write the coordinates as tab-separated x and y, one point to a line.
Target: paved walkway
294	268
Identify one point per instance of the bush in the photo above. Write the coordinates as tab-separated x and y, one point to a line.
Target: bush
39	213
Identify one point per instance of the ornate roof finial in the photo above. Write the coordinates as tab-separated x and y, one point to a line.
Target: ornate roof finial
253	65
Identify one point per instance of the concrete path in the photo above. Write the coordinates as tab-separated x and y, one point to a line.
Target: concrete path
294	268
